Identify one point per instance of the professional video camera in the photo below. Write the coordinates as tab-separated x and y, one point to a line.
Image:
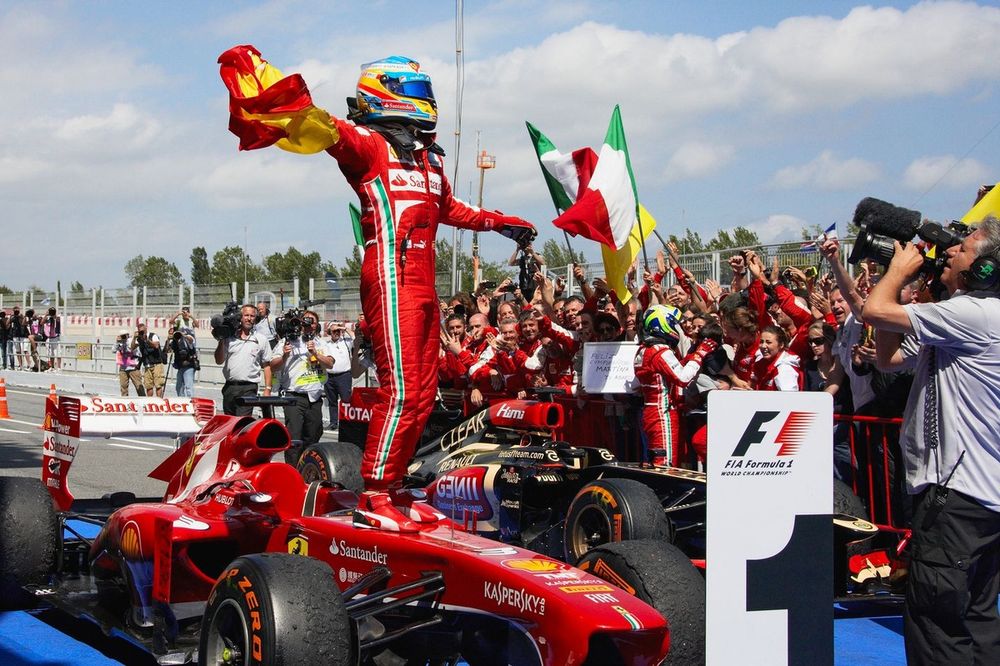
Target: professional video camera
881	223
289	325
225	325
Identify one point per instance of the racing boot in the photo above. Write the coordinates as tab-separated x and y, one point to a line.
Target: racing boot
659	458
412	502
376	511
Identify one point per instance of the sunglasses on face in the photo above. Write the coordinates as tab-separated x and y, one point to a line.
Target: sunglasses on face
309	321
817	341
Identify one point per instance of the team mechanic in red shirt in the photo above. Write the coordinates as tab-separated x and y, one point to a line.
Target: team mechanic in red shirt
388	155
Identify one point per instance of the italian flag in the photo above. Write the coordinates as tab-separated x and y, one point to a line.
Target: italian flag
606	209
568	175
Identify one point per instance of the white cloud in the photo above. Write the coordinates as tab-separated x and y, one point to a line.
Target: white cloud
827	172
778	228
695	159
945	170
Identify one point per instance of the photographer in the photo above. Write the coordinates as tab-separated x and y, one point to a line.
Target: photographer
128	365
245	357
264	324
304	362
951	443
151	357
185	359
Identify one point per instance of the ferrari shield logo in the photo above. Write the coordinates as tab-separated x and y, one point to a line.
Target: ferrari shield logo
298	546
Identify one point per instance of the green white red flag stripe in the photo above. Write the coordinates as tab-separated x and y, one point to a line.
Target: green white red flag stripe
608	208
565	173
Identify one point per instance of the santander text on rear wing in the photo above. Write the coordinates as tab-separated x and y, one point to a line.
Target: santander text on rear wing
73	419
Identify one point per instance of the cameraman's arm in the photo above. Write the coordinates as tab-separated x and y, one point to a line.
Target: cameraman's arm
266	370
888	356
830	249
220	352
278	360
883	310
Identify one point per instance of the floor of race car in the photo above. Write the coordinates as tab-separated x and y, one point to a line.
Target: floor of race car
46	638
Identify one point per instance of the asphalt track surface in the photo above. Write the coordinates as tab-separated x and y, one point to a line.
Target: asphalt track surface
104	465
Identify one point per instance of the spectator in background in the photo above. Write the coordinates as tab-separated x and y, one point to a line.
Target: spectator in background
245	358
6	344
19	338
186	361
128	365
152	357
185	323
825	373
338	379
775	368
264	325
52	330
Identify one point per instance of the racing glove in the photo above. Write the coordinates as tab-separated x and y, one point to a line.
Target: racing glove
704	348
520	231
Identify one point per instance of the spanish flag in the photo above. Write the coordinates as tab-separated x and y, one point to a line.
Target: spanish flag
266	107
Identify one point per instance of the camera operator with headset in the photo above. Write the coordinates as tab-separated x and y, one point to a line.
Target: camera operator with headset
951	443
304	361
245	357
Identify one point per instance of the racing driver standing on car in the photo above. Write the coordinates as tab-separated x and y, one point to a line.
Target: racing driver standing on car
386	150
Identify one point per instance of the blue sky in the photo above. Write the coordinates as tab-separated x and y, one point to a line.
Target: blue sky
768	115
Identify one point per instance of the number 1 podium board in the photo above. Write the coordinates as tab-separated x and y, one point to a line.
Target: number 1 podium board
770	535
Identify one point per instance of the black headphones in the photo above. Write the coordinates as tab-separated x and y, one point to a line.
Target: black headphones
983	274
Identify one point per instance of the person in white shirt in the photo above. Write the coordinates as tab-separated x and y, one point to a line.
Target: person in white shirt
339	380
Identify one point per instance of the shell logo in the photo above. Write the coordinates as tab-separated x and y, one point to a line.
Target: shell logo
535	565
130	543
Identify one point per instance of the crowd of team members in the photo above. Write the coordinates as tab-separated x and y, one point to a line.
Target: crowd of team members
771	329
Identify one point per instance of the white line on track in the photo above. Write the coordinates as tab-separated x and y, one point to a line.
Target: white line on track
22	432
129	446
144	442
36	424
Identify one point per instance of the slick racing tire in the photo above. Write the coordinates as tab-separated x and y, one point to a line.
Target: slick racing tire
276	609
845	501
338	462
662	576
29	538
610	510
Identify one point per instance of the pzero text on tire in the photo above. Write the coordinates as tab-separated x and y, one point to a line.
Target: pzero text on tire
276	609
28	537
338	462
609	510
662	576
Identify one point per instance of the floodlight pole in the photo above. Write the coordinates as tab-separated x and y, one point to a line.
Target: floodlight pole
484	161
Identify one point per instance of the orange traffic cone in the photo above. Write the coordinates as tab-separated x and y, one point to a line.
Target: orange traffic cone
52	394
4	414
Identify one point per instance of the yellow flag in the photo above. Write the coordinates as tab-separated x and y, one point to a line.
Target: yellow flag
988	205
618	262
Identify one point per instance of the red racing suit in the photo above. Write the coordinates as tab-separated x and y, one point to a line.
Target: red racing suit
404	196
661	375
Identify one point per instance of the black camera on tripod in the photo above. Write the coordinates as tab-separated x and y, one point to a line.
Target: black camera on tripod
225	325
882	223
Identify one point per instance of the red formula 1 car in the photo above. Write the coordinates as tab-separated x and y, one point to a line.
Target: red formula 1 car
242	562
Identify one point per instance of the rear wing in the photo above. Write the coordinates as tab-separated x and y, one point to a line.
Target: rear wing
69	420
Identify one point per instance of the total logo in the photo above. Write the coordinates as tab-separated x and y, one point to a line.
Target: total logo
343	549
355	413
761	453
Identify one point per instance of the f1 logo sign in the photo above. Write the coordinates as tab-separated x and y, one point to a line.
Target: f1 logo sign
791	435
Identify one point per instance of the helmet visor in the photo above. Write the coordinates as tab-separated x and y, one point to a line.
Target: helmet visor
416	89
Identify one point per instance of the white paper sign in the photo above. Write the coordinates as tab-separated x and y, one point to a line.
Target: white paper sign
770	536
608	367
